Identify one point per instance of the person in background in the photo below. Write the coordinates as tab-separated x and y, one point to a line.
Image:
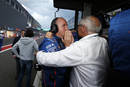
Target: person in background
1	40
88	56
55	76
27	46
16	39
119	43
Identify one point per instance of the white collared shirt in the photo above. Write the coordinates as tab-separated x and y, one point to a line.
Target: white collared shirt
89	58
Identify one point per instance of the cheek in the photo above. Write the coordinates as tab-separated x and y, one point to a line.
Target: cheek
62	31
79	32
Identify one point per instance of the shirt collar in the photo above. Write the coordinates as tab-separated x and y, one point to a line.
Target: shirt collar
89	36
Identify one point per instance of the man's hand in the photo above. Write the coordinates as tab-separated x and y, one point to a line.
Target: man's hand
35	53
49	35
68	38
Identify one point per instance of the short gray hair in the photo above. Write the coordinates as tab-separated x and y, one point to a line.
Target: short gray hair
90	24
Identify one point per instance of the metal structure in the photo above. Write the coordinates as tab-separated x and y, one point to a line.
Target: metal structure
91	7
14	15
96	5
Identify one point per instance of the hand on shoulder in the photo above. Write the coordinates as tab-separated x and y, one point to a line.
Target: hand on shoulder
49	35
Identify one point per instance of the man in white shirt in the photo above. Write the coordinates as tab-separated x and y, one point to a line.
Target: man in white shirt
88	56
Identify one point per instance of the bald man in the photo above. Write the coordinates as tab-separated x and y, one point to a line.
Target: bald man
88	56
53	41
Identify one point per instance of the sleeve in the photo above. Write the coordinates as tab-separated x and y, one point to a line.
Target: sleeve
48	46
71	56
35	45
15	41
14	49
